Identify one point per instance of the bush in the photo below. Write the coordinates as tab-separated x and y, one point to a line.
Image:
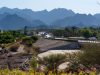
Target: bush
34	39
29	40
90	54
34	63
53	61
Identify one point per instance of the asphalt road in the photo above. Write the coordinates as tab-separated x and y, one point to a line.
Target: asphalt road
48	44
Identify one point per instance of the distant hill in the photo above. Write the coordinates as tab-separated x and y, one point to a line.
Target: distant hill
80	20
97	16
3	15
13	22
37	23
53	15
44	15
61	17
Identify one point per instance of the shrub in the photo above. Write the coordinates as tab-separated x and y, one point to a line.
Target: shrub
90	54
27	41
34	39
53	61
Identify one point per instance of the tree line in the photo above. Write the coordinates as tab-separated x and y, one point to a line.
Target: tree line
77	32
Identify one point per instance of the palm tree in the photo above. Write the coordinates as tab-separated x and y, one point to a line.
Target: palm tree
53	61
74	30
25	30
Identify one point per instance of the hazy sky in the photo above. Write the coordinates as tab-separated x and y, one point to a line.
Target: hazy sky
79	6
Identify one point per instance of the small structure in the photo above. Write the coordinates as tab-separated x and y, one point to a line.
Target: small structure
48	36
41	33
45	35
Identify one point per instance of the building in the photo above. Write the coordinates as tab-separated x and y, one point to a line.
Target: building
49	36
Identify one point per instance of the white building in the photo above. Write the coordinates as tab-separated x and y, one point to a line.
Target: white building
41	33
48	35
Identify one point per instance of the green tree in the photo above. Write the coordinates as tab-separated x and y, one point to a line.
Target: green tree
5	38
86	32
34	38
59	33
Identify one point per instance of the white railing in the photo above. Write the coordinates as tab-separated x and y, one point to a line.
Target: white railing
88	41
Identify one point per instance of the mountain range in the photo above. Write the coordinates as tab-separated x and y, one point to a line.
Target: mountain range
60	17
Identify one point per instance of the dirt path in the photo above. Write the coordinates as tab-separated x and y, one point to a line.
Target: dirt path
21	49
